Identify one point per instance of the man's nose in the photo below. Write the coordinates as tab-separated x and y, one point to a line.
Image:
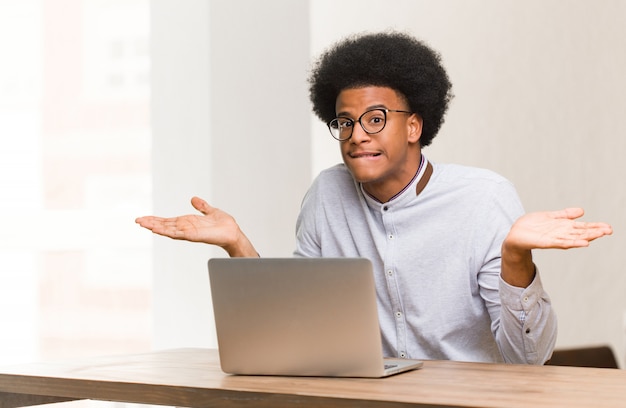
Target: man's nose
359	134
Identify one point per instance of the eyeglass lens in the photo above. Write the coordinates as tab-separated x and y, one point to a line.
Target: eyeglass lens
371	121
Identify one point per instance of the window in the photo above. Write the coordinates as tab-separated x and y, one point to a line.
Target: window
74	173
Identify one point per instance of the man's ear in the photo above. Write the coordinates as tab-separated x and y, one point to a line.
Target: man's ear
415	123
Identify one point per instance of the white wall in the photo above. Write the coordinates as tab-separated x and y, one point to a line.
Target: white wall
180	166
230	124
540	98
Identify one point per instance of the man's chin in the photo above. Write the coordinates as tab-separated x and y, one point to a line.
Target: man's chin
362	177
362	172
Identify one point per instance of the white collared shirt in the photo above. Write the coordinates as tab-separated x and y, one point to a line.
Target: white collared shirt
436	260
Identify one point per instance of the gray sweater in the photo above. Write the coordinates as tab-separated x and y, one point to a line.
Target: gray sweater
436	258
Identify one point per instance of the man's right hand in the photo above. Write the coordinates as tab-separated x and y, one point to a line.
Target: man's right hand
213	227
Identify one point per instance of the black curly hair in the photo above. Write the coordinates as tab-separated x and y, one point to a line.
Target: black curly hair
389	59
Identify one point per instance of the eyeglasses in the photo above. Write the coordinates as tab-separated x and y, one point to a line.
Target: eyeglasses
373	121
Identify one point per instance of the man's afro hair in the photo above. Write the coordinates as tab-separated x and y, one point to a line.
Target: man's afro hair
391	59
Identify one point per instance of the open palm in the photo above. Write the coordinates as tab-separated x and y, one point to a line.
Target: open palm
555	229
214	226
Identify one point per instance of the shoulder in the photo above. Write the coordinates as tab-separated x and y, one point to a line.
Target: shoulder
474	196
456	175
333	178
474	186
332	185
338	172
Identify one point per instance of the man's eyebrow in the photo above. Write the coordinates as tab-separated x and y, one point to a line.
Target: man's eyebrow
369	108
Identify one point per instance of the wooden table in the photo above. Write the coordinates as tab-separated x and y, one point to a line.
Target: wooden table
192	378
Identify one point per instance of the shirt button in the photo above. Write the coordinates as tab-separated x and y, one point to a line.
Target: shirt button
390	236
402	355
385	208
398	314
525	298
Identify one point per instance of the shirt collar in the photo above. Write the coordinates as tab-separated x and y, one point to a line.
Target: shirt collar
419	180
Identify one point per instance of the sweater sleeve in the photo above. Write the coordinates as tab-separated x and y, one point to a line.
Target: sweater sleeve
523	321
528	326
307	238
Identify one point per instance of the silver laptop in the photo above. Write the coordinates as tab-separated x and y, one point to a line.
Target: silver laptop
299	317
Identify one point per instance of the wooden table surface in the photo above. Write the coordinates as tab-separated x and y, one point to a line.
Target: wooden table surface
192	377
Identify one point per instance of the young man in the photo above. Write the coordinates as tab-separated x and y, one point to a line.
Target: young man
451	246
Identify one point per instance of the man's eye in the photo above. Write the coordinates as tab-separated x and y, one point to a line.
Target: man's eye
376	120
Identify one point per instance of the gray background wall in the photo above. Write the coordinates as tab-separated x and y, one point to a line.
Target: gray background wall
540	98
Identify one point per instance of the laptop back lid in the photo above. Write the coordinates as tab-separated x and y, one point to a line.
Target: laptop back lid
296	316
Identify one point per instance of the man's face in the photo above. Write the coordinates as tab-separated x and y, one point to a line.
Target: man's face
384	162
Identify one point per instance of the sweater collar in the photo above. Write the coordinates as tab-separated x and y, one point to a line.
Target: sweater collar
417	183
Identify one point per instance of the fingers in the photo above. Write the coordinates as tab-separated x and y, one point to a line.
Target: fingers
597	230
172	227
200	205
146	222
581	234
600	228
154	224
569	213
162	226
150	222
588	231
175	228
183	227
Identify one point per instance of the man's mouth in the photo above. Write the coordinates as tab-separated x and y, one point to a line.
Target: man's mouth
359	155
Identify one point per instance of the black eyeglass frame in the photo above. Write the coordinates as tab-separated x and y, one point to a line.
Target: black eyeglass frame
336	121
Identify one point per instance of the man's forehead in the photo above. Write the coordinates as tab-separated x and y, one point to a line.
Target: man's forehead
369	97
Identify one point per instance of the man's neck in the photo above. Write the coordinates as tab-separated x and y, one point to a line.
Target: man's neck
385	191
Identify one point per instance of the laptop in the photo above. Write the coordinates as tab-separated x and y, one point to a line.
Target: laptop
299	317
